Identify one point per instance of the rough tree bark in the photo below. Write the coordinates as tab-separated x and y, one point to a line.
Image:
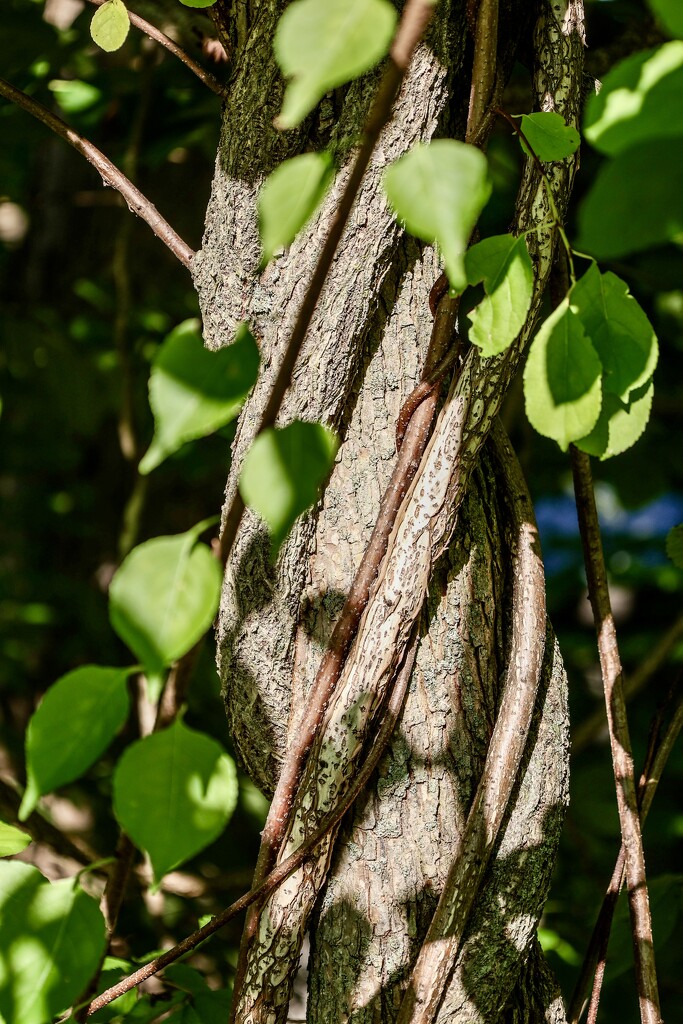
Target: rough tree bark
362	358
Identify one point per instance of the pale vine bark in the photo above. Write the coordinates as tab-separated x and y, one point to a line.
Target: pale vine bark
362	358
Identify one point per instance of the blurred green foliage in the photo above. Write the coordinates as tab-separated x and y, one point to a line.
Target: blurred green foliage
87	296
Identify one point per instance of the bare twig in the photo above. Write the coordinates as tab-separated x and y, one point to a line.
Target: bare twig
659	748
622	758
110	174
169	44
283	870
651	663
414	20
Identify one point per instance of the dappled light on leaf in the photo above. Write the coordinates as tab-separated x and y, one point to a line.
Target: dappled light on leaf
438	192
174	793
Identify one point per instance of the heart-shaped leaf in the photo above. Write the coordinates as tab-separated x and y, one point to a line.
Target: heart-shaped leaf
12	840
562	379
549	136
289	197
174	792
621	333
110	24
283	473
164	597
640	99
438	191
77	719
193	391
320	46
619	424
52	936
504	265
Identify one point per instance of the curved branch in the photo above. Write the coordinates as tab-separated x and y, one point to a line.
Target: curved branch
137	203
169	44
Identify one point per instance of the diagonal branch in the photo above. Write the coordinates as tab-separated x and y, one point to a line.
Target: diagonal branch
169	44
622	758
415	18
137	203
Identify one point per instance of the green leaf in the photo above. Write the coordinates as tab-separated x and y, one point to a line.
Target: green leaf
77	719
52	936
504	265
619	329
164	597
322	45
73	95
619	424
12	840
623	213
193	391
283	473
674	545
198	3
438	191
174	792
562	379
640	99
670	13
289	197
549	136
110	24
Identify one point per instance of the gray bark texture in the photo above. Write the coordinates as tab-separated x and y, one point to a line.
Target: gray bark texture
362	358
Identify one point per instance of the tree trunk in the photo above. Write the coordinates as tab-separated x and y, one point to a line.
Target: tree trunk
362	358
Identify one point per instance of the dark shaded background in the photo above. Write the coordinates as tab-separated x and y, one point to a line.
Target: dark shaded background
87	294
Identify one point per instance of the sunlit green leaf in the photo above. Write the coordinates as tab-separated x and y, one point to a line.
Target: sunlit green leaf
12	840
284	471
174	792
52	935
193	391
549	136
621	333
623	213
504	265
670	13
289	197
674	545
562	379
73	95
619	424
640	99
110	24
164	597
198	3
438	191
77	719
322	45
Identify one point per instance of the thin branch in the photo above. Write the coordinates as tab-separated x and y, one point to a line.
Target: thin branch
169	44
659	748
137	203
436	959
622	758
287	867
415	18
651	663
